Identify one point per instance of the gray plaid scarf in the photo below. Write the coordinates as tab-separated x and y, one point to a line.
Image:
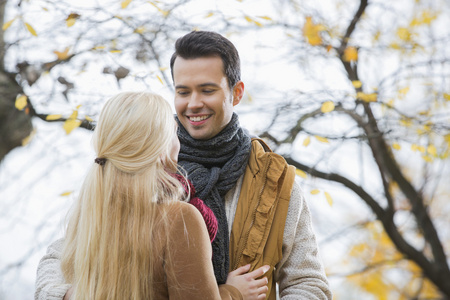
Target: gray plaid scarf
214	166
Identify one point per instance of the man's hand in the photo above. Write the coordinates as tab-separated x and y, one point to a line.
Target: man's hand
250	287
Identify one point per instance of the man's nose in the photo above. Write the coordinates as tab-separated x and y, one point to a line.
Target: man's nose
195	102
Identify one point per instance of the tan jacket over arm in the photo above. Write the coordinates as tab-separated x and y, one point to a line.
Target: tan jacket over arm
190	259
191	266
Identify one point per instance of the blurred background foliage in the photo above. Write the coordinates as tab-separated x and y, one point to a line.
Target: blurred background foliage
355	94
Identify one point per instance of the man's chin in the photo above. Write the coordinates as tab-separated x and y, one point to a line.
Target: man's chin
199	134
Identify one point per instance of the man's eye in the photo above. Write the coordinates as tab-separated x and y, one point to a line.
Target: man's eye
208	91
182	93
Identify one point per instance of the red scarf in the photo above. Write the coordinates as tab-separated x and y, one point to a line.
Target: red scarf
207	213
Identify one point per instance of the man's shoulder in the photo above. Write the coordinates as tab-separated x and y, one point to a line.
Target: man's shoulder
258	141
261	153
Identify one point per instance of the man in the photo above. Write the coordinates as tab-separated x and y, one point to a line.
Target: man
262	215
250	189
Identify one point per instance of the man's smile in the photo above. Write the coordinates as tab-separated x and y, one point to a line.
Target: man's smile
198	120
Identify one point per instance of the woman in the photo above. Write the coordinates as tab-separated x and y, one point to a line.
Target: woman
129	236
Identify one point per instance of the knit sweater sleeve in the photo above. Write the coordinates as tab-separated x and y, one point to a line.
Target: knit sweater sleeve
50	283
300	273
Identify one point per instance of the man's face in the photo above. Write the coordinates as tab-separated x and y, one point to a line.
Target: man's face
203	100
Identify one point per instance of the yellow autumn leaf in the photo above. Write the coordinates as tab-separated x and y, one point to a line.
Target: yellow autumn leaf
390	103
421	149
376	36
8	24
249	96
415	22
431	149
396	146
259	24
427	158
350	54
327	107
53	117
414	147
358	249
251	20
140	30
265	18
74	115
447	97
329	199
66	193
125	3
376	286
429	290
160	80
89	119
312	32
115	51
367	97
402	92
321	139
314	192
209	15
162	69
62	55
30	29
356	84
70	125
395	46
248	19
28	139
427	17
306	141
404	34
300	173
447	139
163	12
70	22
98	48
21	102
71	19
406	122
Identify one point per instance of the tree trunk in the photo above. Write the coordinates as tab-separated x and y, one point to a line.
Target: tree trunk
15	125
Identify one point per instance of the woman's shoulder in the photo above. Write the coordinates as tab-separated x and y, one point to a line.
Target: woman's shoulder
183	212
186	226
177	207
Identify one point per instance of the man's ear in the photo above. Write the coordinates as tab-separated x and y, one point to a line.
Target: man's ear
238	92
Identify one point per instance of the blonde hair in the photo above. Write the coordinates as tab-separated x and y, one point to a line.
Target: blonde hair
109	248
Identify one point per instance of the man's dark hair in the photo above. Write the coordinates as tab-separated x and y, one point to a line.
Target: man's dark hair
198	44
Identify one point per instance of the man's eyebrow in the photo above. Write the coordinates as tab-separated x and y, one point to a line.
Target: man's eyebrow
180	86
208	84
